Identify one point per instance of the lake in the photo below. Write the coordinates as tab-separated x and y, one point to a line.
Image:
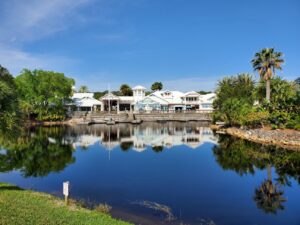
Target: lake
158	173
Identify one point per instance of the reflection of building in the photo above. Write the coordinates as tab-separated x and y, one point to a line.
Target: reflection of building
139	137
156	101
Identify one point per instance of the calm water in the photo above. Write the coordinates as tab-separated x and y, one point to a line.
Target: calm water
198	177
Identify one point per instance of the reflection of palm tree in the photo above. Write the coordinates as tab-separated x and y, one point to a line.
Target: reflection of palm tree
125	146
158	148
268	196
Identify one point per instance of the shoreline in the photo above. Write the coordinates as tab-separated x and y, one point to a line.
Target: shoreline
34	207
283	138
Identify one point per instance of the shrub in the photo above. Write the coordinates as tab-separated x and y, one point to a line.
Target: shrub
254	119
103	208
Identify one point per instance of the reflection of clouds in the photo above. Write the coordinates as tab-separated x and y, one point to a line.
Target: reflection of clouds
166	135
86	140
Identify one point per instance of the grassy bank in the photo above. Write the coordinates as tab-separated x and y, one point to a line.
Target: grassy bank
18	206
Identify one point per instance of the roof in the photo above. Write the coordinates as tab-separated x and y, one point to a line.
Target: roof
174	97
208	97
191	93
86	102
139	87
83	95
110	96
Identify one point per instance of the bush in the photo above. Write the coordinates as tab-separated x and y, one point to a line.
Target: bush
103	208
254	119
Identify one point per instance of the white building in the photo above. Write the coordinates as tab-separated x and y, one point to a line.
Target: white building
175	101
156	101
85	102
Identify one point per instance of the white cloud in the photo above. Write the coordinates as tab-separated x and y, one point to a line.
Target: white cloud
15	60
25	21
34	19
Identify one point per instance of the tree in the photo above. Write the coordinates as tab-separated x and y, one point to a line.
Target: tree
126	90
44	93
284	106
83	89
9	110
266	62
98	95
234	98
156	86
204	92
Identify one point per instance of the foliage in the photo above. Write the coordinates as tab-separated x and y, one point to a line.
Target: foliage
98	95
156	86
266	62
255	118
103	208
284	106
9	108
126	90
28	207
204	92
43	93
83	89
234	99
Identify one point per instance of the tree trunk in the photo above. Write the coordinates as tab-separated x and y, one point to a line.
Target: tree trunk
268	90
269	172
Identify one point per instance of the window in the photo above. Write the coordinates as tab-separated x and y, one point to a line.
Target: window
206	105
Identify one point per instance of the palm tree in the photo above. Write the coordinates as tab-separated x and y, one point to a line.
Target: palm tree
157	86
83	89
266	62
126	90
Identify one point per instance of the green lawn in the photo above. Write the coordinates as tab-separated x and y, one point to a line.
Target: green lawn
18	206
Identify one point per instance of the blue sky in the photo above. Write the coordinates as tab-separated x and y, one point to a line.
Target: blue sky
186	44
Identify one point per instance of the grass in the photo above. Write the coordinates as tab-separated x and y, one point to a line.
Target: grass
18	206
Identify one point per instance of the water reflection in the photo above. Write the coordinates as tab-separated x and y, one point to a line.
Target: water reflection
171	179
156	135
244	157
36	152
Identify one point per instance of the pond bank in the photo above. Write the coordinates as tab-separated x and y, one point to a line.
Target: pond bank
18	206
103	117
285	138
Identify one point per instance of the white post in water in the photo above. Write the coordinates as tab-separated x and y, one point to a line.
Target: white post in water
66	190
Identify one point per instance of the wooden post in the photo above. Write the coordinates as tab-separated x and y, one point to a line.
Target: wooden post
66	189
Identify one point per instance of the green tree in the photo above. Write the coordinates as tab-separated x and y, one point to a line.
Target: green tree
156	86
204	92
83	89
266	62
234	98
126	90
98	94
44	93
9	110
284	106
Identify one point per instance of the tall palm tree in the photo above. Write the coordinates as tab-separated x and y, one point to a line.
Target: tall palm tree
266	62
